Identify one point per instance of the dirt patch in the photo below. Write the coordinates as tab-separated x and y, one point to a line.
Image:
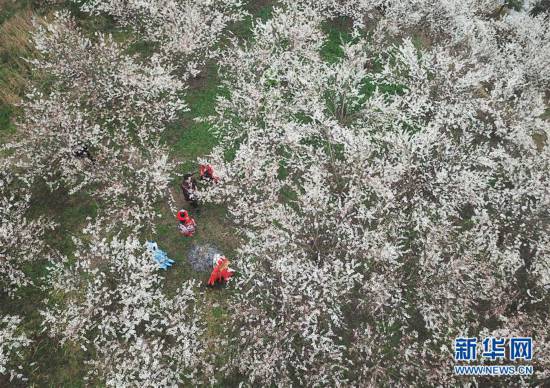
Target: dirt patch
201	256
200	81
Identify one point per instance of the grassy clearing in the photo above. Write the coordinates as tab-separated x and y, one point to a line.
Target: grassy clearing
190	139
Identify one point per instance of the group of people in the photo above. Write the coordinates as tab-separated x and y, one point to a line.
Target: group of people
189	184
187	224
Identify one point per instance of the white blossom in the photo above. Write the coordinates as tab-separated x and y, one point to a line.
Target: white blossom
12	341
111	302
390	204
21	238
182	29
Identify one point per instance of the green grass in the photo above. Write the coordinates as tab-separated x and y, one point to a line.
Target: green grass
14	70
338	32
6	125
68	212
9	8
265	12
55	365
187	138
141	48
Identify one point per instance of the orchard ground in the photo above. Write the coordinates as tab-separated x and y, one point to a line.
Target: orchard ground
189	139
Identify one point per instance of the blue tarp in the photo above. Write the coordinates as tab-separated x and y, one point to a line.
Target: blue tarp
160	257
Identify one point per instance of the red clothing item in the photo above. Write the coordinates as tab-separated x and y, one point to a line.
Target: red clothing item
206	171
187	225
221	272
182	215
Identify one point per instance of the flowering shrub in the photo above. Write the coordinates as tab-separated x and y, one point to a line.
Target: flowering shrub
112	305
99	126
182	29
388	200
396	196
10	344
21	240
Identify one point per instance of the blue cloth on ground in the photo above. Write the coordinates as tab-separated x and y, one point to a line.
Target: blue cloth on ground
160	257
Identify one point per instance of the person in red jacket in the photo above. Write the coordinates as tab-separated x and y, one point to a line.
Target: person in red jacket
206	172
187	225
221	272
